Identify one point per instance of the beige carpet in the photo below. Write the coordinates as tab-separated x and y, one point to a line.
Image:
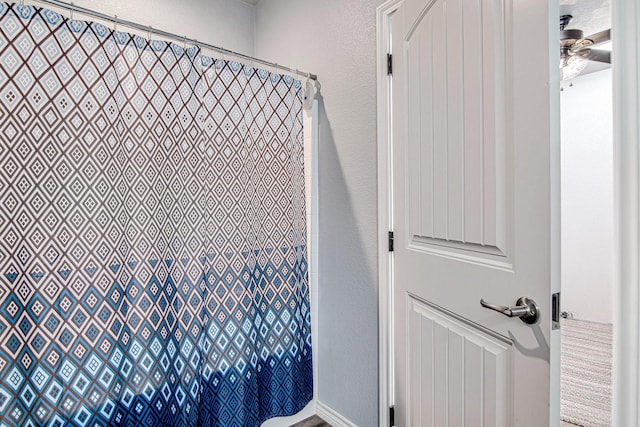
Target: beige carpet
585	380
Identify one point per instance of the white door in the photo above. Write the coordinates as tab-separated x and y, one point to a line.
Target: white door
475	155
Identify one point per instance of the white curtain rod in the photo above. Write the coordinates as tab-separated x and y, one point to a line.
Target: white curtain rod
165	34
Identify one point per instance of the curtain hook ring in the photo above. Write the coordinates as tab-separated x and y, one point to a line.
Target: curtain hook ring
115	23
184	43
71	11
149	31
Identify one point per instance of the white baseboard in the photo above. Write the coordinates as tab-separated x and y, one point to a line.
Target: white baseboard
331	416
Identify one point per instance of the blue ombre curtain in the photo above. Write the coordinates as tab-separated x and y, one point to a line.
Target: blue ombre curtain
153	266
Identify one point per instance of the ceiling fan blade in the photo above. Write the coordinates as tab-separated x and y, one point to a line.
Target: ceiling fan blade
601	37
600	55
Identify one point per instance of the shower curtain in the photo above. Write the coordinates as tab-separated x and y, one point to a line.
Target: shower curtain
153	267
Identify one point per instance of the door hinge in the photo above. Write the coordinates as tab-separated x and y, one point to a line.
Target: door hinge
391	241
389	64
392	416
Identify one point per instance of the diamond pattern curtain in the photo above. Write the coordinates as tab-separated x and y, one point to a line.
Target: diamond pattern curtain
152	232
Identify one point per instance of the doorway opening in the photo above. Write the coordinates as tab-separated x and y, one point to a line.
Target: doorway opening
587	229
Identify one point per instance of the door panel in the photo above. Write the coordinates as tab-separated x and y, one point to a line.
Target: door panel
472	211
457	126
460	373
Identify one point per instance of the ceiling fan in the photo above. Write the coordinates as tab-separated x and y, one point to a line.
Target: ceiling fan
576	49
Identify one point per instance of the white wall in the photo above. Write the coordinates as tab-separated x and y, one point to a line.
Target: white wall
336	39
587	197
223	23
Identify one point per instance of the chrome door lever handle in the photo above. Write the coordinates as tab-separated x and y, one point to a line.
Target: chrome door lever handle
526	309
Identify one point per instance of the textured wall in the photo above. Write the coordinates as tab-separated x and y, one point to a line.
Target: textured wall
336	39
587	197
225	23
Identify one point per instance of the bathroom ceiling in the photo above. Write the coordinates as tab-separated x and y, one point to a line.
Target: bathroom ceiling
590	16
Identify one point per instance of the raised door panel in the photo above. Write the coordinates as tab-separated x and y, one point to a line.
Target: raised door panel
456	125
460	373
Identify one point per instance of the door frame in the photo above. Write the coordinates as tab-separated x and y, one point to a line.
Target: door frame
385	217
625	19
626	109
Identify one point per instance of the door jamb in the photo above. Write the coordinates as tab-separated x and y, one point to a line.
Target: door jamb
385	218
626	102
626	144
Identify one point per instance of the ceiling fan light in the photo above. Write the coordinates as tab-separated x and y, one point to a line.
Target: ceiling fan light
571	66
